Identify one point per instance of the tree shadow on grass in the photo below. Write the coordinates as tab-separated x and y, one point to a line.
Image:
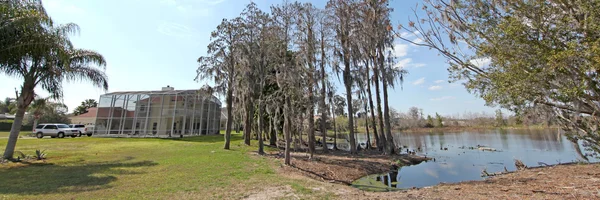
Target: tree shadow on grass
47	178
206	138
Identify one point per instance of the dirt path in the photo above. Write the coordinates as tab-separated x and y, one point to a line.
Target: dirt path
342	167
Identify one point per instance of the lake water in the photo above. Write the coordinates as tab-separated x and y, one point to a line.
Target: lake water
458	158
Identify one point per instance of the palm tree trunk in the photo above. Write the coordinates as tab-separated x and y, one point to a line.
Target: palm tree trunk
14	131
382	138
36	120
229	116
23	101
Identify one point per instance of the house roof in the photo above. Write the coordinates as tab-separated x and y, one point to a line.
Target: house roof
162	92
104	112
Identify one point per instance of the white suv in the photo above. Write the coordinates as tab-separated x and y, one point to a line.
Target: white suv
81	128
54	130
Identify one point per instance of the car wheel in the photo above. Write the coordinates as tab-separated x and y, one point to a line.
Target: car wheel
89	135
79	134
39	135
61	135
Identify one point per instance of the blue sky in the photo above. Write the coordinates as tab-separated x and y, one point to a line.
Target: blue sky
149	44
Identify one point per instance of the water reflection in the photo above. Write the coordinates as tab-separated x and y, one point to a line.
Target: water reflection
458	158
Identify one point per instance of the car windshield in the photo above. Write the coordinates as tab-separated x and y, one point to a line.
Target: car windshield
62	126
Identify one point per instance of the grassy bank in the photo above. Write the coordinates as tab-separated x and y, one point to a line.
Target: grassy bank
136	168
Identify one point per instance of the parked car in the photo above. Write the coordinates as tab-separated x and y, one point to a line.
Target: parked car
81	128
90	130
54	130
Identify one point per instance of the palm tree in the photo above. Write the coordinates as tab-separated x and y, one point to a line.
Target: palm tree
53	60
40	106
5	105
18	21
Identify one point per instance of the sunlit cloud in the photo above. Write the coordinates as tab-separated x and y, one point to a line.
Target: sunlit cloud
174	29
443	98
419	81
481	62
435	87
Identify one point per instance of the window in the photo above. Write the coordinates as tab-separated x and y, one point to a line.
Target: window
137	125
143	108
79	126
50	127
62	126
39	127
154	126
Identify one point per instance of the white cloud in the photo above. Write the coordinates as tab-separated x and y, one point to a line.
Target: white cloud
419	81
443	98
403	63
174	29
481	62
400	50
435	87
214	2
417	41
195	7
404	34
418	65
439	81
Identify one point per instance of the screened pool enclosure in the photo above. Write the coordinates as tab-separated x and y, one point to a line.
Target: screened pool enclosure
165	113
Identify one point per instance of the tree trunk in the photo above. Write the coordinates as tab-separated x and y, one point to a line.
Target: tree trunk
272	133
322	107
334	126
382	138
386	114
367	127
300	131
255	127
311	125
14	132
36	120
373	120
286	130
261	121
23	101
348	84
248	121
229	102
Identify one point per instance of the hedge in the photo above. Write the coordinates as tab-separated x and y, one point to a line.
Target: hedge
5	126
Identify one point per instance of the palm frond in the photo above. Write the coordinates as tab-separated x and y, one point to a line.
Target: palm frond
86	73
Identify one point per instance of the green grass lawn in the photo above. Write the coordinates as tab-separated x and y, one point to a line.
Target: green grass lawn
136	168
